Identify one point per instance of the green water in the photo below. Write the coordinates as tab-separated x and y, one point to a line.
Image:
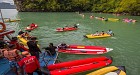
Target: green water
126	42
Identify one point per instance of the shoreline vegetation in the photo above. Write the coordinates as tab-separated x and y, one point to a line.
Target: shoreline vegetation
130	7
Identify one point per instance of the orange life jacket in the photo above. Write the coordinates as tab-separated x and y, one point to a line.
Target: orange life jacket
12	55
1	52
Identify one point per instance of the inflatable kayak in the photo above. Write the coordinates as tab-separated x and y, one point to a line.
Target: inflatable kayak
97	36
66	29
31	28
81	49
14	20
112	70
23	40
101	18
129	20
77	66
113	19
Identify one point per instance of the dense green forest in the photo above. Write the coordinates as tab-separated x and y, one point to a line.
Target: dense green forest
106	6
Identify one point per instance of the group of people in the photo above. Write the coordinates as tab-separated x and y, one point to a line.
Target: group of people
22	60
110	32
129	20
19	57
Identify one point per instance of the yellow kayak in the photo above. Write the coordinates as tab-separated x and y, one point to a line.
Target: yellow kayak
9	20
113	19
112	70
92	36
23	40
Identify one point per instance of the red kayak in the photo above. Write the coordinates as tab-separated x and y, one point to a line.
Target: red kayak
66	29
81	49
77	66
31	28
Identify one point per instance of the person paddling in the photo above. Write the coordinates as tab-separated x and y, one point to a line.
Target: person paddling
96	34
102	33
32	25
75	26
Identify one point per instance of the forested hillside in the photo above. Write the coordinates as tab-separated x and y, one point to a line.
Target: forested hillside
106	6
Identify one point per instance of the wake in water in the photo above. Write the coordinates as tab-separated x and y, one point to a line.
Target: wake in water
113	38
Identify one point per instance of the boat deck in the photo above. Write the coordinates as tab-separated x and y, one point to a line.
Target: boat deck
44	60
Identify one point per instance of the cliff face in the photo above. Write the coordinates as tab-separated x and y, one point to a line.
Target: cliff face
28	5
19	5
105	6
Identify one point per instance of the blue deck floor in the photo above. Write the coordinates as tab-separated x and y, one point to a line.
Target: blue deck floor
4	66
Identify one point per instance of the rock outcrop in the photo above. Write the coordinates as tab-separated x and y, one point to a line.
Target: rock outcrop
19	5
